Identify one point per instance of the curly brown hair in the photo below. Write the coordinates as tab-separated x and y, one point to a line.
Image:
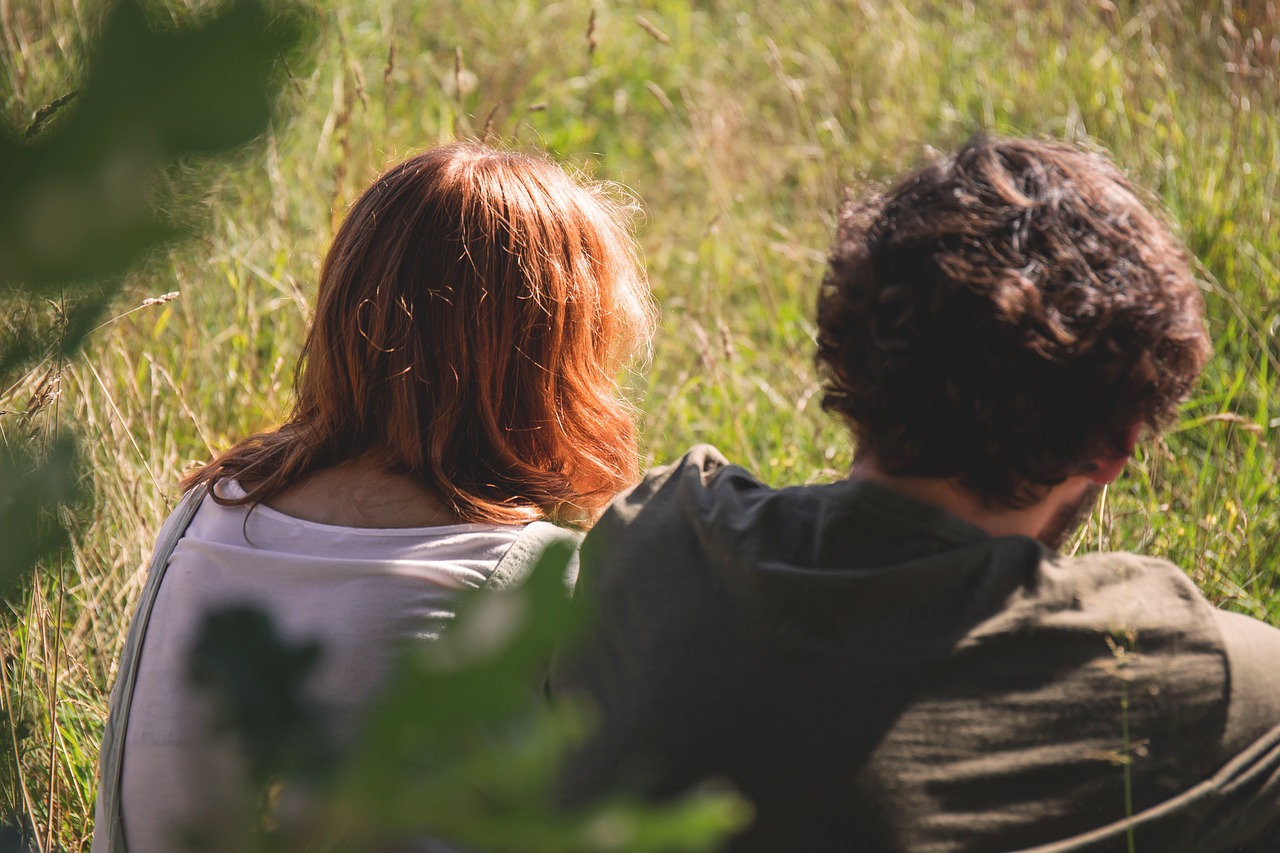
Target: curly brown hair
1004	316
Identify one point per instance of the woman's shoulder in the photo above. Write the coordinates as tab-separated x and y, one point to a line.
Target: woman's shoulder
536	541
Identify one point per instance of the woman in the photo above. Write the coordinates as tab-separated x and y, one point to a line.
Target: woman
455	393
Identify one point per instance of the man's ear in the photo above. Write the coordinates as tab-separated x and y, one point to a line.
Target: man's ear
1105	469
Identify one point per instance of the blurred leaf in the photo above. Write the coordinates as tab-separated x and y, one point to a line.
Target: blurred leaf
75	202
449	694
31	490
20	347
462	746
12	842
255	679
37	332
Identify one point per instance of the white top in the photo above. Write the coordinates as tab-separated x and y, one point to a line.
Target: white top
360	593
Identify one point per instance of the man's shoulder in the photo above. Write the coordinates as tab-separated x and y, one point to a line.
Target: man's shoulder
670	497
1149	600
1126	613
694	519
1122	577
693	472
1253	657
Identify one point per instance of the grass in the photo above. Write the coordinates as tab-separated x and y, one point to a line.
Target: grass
740	125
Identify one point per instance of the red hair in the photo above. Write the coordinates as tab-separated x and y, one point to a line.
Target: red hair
472	314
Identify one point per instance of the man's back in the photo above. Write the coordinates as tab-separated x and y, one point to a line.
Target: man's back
876	674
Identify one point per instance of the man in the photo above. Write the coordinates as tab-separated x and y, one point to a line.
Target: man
903	661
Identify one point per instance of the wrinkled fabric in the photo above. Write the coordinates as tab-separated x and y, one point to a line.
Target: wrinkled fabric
361	594
875	674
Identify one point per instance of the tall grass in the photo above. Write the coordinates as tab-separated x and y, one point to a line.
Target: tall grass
740	125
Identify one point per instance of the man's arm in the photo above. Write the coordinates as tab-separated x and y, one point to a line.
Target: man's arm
1253	657
1253	710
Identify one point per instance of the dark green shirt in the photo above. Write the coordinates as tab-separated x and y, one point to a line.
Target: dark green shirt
875	674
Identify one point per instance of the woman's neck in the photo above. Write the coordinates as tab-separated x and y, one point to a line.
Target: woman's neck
360	493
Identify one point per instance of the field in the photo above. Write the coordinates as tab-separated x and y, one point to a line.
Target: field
738	126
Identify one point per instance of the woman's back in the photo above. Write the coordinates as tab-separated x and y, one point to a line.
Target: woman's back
359	593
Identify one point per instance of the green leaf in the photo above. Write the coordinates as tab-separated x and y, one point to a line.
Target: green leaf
463	746
76	200
32	488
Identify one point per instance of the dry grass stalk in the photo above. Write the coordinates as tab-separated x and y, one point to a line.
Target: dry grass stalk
386	76
652	29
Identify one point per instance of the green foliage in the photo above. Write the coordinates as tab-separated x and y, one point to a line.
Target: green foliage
30	491
460	747
76	204
255	678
